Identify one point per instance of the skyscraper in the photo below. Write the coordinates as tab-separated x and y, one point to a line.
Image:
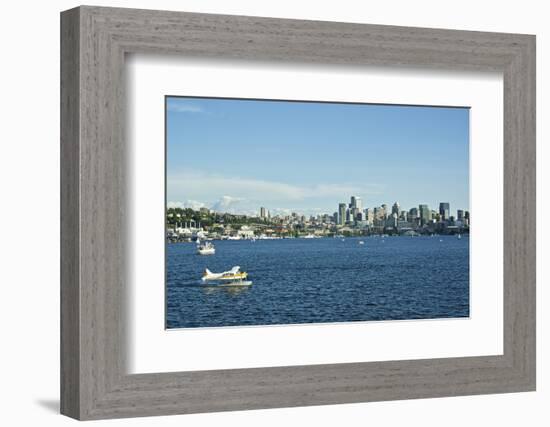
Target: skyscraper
384	211
395	208
341	213
262	212
356	203
444	211
369	216
425	214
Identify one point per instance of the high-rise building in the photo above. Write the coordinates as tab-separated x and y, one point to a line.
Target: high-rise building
444	211
425	214
384	211
263	212
391	221
342	213
369	216
395	209
356	203
460	214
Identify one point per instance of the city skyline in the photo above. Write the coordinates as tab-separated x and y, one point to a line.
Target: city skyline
197	205
236	155
350	219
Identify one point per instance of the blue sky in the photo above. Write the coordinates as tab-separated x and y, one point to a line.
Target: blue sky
238	155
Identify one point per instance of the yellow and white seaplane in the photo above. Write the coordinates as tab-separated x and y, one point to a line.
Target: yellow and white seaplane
233	277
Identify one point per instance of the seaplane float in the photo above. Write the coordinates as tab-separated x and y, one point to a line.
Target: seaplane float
233	277
205	248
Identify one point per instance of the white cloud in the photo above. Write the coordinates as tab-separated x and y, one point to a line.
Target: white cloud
181	107
209	186
226	203
192	204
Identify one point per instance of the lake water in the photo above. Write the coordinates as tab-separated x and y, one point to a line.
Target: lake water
320	280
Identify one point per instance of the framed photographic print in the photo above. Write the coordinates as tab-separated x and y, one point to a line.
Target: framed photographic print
262	213
271	198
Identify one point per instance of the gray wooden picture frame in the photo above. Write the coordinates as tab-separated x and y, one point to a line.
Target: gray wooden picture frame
94	381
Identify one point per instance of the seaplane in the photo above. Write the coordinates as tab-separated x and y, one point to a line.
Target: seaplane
233	277
205	248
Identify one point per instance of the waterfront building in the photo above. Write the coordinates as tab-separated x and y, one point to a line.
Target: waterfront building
460	215
369	215
425	214
403	226
356	203
342	213
245	232
444	211
355	213
395	209
384	211
391	221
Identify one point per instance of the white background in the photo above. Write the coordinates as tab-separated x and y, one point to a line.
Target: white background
152	349
29	215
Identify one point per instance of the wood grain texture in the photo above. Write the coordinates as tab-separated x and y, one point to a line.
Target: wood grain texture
94	382
70	257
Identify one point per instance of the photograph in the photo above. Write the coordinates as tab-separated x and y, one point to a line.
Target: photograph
284	212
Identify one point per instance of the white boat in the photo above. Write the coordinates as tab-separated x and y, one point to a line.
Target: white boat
233	277
459	236
205	248
361	242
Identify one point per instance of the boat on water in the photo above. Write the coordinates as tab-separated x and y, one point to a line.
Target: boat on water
205	248
233	277
361	242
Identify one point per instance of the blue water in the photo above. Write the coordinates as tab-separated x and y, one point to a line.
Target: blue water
321	280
